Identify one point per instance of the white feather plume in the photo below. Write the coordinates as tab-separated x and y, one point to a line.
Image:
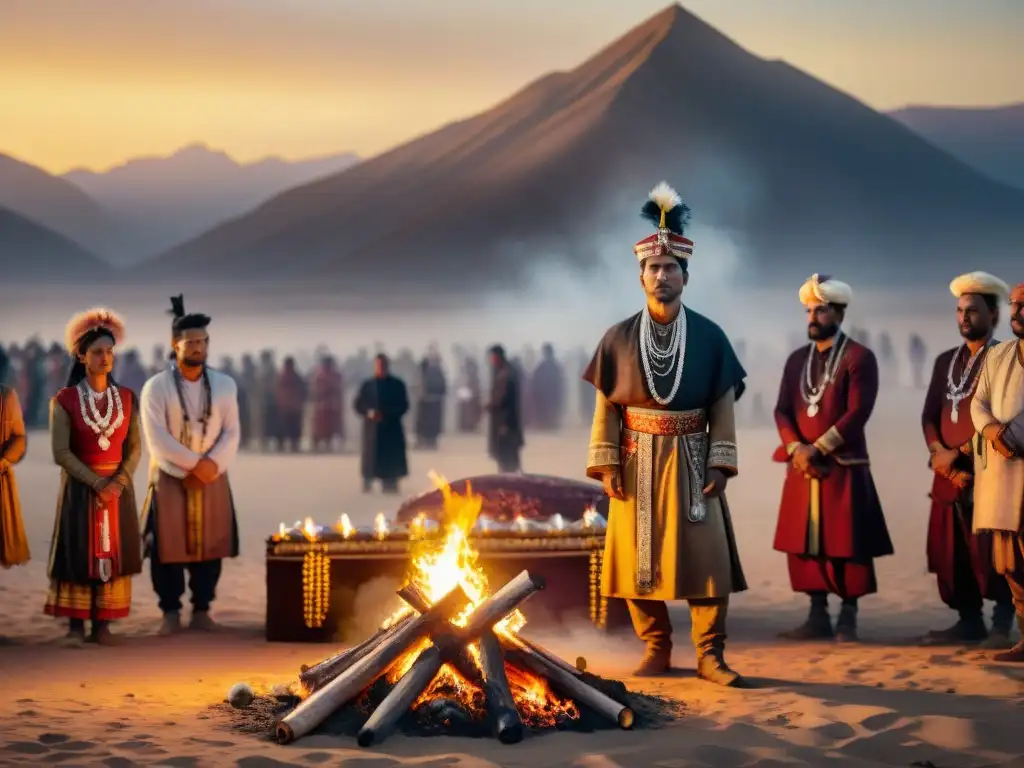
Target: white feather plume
666	197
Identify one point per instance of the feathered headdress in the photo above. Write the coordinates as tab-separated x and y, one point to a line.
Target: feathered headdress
99	320
666	210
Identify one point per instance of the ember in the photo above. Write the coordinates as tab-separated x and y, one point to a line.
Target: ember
453	654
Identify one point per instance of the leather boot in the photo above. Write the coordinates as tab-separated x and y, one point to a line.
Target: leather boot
846	626
171	625
101	635
712	667
818	625
1016	654
1003	615
652	625
968	629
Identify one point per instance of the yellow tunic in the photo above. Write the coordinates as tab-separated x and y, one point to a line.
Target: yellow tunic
689	558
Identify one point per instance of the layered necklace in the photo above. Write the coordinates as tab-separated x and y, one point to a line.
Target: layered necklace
103	424
186	420
662	349
812	391
958	391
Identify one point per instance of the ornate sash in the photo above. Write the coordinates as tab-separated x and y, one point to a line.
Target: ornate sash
645	423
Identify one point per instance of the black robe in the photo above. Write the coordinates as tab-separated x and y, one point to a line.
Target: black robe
505	433
383	443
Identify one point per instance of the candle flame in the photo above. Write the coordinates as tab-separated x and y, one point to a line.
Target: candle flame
345	526
558	522
308	529
520	523
380	526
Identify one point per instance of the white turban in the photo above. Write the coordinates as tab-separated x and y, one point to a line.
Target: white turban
821	289
980	282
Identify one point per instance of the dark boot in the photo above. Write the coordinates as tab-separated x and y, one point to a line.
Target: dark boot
101	635
818	625
970	628
846	626
75	638
1003	616
653	626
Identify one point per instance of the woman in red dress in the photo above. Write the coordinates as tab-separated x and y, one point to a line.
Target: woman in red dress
94	429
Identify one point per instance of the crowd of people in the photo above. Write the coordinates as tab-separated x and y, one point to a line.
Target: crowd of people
663	445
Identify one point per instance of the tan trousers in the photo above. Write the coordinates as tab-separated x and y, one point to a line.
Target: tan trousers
707	619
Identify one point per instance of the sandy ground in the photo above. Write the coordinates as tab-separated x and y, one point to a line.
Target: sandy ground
883	702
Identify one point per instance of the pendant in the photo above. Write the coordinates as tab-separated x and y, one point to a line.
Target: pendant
103	442
954	415
812	410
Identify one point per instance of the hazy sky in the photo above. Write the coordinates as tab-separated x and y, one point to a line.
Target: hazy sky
93	82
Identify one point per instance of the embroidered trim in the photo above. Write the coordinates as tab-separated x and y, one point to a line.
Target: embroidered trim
629	446
696	448
644	549
830	441
791	448
723	455
652	421
603	455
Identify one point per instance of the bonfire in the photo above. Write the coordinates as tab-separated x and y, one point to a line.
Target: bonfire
453	655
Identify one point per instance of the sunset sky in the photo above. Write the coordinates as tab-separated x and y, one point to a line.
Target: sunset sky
91	83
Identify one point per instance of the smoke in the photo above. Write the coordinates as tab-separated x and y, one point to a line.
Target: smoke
375	600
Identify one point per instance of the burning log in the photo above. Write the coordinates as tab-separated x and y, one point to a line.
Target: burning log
413	683
428	664
460	658
501	706
316	677
502	603
573	686
350	683
510	642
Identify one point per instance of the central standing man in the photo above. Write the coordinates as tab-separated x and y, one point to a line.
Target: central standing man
190	417
663	442
831	525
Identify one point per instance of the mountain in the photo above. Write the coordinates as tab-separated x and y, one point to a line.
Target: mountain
157	202
799	176
990	139
32	253
51	201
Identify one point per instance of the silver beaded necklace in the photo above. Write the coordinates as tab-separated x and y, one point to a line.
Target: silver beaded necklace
659	360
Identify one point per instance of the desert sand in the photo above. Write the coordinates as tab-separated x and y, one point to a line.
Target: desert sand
885	701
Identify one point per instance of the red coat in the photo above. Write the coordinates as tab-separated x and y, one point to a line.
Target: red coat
852	523
951	507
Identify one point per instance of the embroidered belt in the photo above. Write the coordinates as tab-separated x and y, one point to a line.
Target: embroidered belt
652	421
104	532
645	423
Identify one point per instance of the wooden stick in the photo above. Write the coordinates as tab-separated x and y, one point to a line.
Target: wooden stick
502	603
314	710
412	685
501	706
316	677
518	643
573	687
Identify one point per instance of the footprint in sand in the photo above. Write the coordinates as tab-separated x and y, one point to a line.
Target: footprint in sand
26	748
53	738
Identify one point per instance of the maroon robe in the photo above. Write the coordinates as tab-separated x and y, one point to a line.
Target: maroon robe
960	559
852	526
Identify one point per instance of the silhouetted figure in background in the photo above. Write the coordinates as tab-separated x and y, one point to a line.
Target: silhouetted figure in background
918	358
547	391
328	395
470	405
433	387
382	402
505	432
290	397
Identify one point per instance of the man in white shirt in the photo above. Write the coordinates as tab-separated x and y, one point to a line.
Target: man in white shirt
190	420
